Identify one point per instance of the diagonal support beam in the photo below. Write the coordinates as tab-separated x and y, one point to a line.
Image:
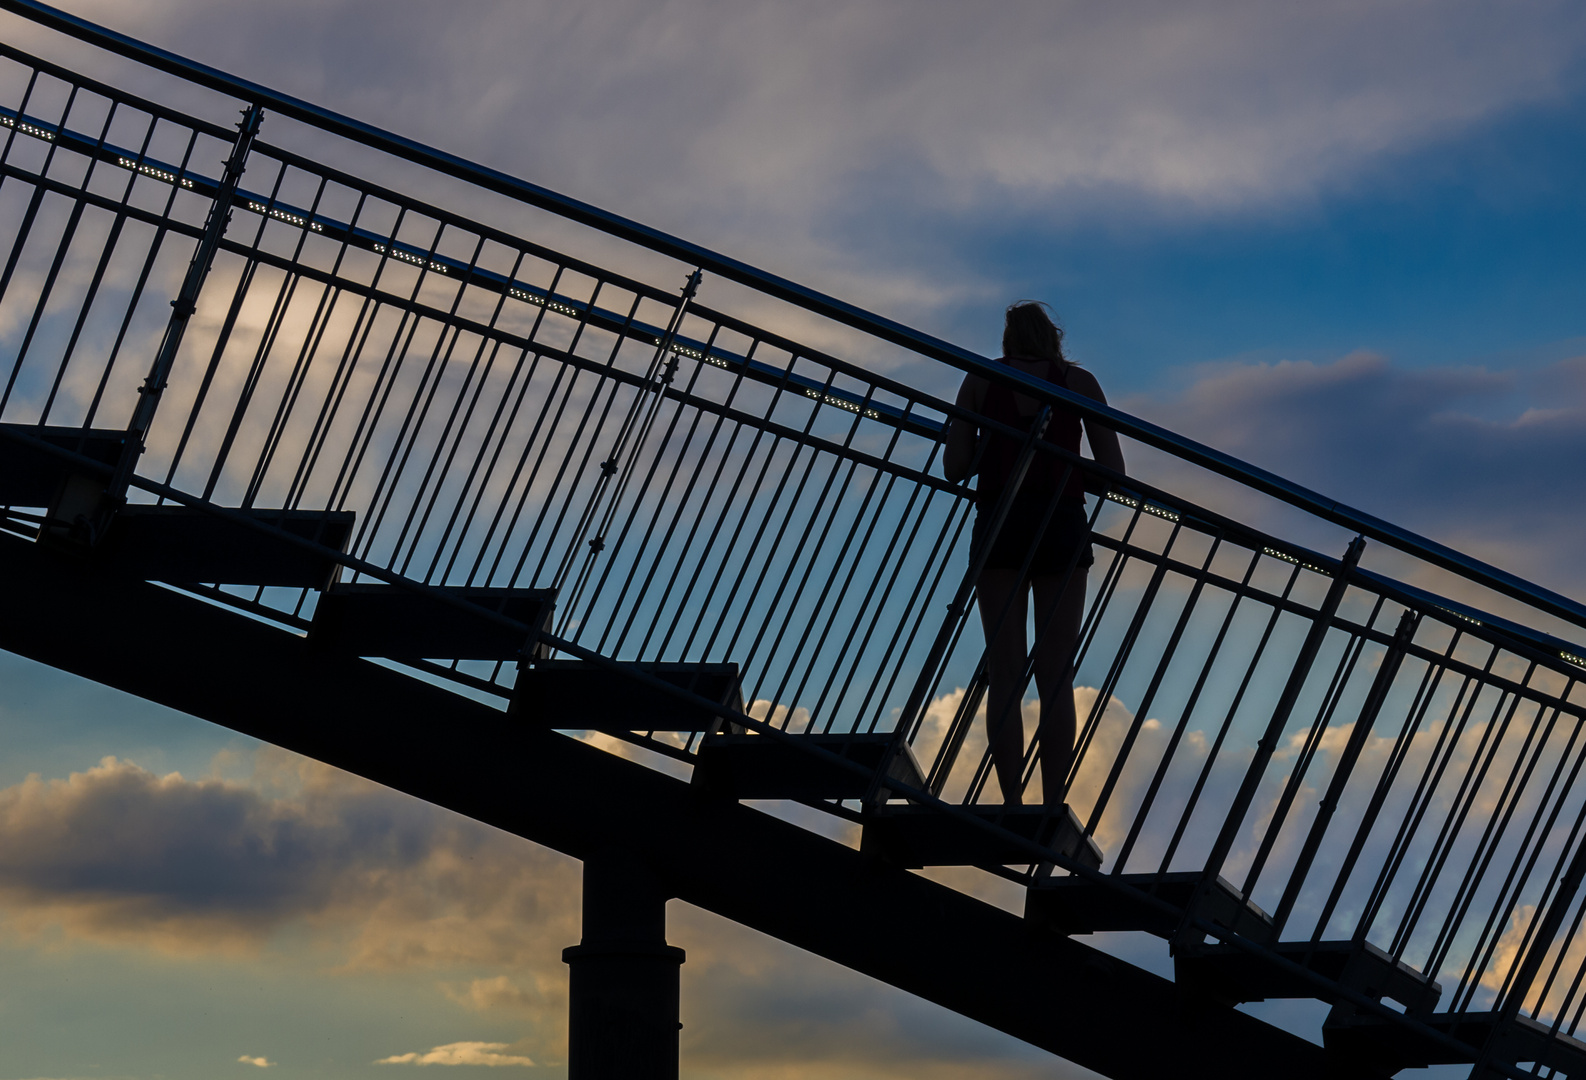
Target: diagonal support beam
925	938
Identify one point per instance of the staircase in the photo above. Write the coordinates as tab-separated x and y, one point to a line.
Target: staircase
418	495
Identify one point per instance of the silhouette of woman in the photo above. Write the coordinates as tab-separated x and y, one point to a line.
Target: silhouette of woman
1033	344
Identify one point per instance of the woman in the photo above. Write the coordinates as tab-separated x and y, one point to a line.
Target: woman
1032	344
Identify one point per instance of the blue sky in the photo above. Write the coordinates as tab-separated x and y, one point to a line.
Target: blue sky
1346	242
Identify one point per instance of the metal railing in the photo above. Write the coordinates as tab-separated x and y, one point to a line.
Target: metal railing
1360	757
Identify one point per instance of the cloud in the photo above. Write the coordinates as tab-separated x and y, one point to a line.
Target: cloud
502	992
460	1053
756	1007
117	854
259	1061
1482	460
785	134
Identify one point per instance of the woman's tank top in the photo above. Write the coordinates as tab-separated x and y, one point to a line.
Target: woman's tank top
1002	453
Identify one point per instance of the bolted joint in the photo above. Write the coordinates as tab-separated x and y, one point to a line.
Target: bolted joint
184	308
608	468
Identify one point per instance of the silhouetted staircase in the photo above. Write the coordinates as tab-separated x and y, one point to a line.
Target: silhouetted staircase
591	504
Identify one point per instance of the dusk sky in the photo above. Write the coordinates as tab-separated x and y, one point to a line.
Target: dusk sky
1344	240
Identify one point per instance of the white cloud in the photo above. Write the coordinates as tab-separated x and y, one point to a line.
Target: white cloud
261	1061
460	1053
783	133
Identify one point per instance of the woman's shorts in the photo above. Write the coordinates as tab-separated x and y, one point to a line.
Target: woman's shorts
1067	533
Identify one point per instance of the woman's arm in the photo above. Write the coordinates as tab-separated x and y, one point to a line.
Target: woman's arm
962	436
1103	440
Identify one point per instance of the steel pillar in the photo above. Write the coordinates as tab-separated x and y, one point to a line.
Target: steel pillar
622	1016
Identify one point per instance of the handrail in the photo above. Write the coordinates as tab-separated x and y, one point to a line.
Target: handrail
1262	480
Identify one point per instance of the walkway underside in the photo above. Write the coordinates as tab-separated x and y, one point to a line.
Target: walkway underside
742	864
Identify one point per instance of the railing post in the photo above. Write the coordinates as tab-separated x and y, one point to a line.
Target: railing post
186	302
1269	739
623	991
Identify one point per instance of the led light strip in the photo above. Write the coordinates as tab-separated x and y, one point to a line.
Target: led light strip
540	301
1461	616
1571	658
282	215
416	260
152	172
703	357
841	403
1138	504
29	129
1286	557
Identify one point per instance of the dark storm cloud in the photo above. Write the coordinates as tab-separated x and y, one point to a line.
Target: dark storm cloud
1485	461
116	853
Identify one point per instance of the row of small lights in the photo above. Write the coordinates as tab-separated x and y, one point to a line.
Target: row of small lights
1136	504
540	301
841	403
29	129
1460	615
703	357
416	260
282	215
151	171
125	162
1286	557
1567	657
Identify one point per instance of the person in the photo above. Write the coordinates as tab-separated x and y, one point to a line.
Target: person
1032	343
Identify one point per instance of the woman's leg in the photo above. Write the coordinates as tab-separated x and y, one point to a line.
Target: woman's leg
1059	610
1005	656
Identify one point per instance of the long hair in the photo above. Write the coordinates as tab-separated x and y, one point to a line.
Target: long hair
1031	332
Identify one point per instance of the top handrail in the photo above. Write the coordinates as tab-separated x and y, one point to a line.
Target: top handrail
896	333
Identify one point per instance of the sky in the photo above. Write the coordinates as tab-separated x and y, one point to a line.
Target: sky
1342	240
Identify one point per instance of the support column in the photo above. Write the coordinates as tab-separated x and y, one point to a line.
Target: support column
622	1017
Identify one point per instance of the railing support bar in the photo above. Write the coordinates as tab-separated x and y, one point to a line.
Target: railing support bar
183	307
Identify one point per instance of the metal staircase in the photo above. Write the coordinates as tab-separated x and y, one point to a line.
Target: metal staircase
550	495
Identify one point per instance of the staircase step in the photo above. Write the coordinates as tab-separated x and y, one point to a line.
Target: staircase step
1232	974
574	695
1076	905
371	619
753	766
1393	1046
33	477
917	836
184	544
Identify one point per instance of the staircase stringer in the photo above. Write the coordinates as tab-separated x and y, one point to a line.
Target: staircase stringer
819	895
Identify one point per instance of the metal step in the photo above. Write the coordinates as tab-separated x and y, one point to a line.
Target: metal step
33	477
574	695
753	766
370	619
918	836
181	544
1076	905
1232	974
1393	1046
